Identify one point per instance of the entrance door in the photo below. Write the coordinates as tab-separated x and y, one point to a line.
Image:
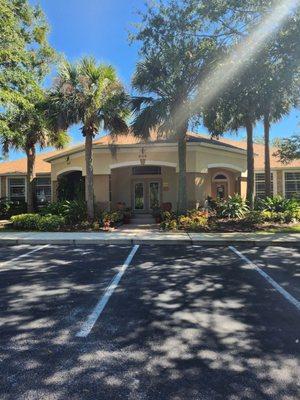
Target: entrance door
154	195
139	196
220	190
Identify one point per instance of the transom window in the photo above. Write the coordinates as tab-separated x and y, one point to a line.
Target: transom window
43	189
260	185
292	184
220	177
16	189
146	170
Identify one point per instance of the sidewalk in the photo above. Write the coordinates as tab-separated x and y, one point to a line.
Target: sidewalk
151	236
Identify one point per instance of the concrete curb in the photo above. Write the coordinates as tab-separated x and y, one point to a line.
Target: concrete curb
156	242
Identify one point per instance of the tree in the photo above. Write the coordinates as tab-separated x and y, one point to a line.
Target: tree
275	61
25	59
288	149
175	55
29	129
25	55
279	82
92	95
233	109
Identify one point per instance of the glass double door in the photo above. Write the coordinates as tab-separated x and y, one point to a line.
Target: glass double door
146	195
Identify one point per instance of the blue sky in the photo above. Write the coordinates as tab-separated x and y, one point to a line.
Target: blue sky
100	28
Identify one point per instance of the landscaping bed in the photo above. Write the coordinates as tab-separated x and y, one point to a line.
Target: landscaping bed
274	214
234	215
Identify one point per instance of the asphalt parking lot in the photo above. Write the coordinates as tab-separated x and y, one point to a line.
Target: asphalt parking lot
149	323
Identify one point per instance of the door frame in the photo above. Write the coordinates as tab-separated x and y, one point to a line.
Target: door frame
134	183
146	184
159	192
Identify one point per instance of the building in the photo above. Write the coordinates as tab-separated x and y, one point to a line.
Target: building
144	174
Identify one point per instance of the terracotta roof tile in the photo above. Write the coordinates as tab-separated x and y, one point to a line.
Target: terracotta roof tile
20	166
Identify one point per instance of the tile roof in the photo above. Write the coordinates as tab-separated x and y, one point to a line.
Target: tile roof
20	166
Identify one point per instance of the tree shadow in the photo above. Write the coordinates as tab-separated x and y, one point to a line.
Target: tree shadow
185	323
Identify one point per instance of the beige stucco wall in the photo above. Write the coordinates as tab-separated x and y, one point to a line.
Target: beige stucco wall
207	158
199	159
101	191
243	187
122	185
201	162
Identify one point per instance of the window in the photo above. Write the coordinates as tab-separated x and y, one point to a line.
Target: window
16	189
220	177
146	170
292	184
43	189
260	185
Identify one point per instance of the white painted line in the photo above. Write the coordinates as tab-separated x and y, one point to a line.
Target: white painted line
23	255
275	285
95	314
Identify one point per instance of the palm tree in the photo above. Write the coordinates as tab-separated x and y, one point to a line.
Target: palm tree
29	129
90	94
159	113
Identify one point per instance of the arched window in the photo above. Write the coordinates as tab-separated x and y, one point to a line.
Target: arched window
220	177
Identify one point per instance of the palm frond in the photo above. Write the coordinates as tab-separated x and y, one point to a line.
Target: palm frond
151	116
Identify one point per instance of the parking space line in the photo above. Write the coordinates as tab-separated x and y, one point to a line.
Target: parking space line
95	314
275	285
23	255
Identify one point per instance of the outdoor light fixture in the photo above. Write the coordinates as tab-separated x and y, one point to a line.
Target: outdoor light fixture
142	156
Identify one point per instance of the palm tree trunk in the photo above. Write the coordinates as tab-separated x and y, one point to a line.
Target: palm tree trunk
250	164
30	177
267	154
182	194
89	181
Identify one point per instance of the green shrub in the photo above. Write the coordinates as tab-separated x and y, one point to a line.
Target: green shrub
195	220
51	223
26	222
279	204
234	207
9	208
169	225
53	208
73	211
111	217
254	217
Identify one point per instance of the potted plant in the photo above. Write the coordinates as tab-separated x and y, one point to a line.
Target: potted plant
166	206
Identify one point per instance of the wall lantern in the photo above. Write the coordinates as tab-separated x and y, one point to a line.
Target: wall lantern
142	156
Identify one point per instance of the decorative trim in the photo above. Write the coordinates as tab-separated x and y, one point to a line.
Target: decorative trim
220	180
224	165
137	163
68	169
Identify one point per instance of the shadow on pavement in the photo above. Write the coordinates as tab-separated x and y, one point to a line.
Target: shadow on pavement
186	323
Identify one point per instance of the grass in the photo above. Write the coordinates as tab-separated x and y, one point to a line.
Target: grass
290	229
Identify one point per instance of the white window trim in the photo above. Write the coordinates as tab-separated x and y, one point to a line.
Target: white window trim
7	185
50	185
283	178
275	190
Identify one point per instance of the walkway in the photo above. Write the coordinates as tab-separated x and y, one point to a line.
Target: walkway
149	236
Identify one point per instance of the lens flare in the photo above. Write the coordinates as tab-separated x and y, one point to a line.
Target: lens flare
236	62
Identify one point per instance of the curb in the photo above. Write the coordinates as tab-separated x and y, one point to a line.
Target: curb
156	242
